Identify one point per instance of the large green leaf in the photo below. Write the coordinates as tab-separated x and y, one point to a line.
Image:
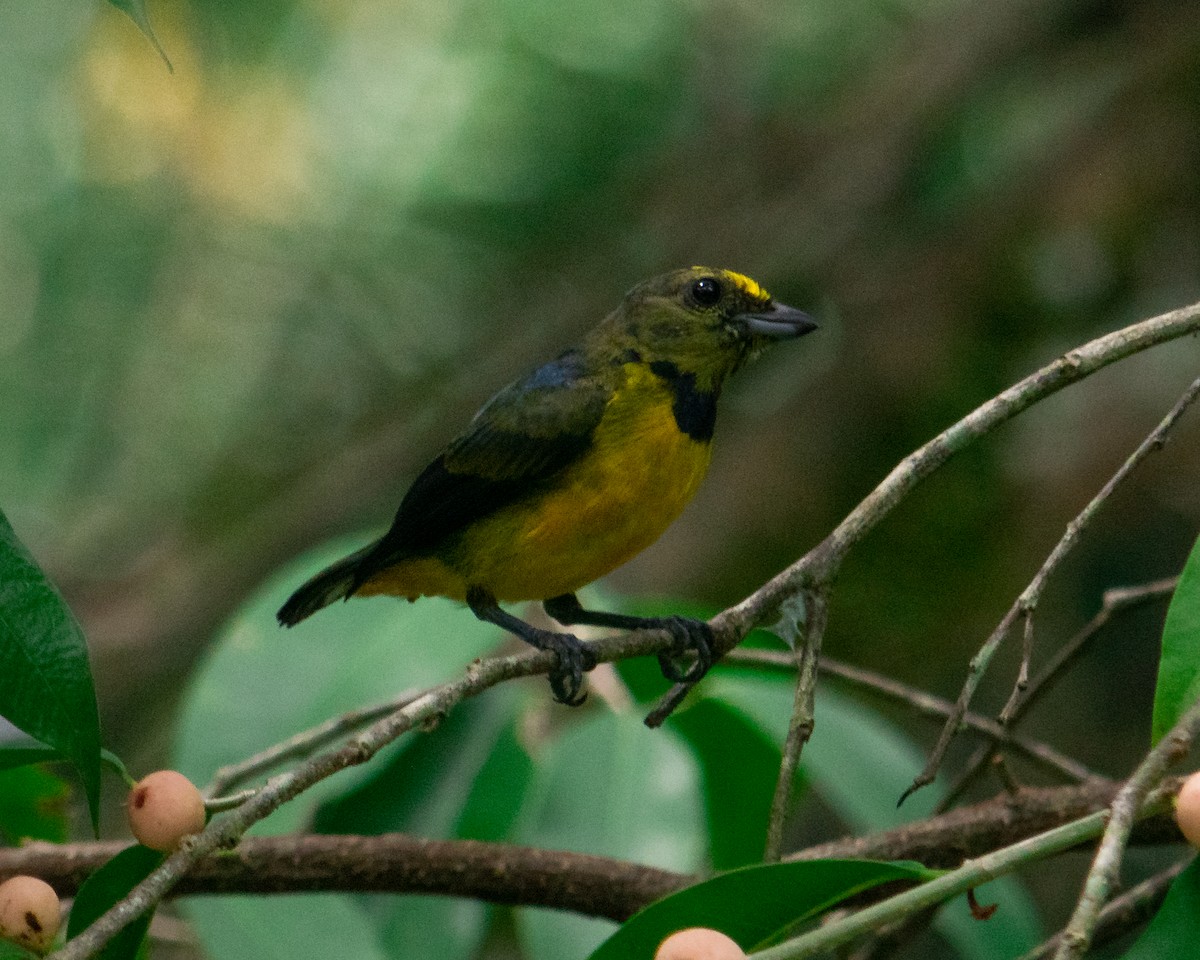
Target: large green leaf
46	685
424	791
608	785
1175	929
104	888
283	928
33	806
1179	666
341	659
754	905
10	951
739	764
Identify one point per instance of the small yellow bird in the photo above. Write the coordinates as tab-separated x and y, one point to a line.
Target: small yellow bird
569	472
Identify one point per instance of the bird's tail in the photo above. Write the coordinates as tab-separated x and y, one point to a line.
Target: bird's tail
335	582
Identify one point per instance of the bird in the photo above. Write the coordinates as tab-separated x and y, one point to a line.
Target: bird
570	471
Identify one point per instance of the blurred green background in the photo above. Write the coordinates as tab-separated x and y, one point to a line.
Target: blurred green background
245	301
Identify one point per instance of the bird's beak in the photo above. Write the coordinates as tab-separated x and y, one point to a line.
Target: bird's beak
778	322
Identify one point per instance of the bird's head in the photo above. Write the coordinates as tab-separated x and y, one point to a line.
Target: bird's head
707	322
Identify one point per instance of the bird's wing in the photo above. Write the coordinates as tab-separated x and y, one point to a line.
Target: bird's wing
523	437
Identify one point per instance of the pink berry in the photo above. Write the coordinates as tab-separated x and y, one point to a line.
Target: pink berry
29	913
163	808
1187	809
699	943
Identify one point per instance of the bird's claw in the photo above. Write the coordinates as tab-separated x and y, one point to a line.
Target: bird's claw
691	636
574	659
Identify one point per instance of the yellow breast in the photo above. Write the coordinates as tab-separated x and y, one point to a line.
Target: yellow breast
615	501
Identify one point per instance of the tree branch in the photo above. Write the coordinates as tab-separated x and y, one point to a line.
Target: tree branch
925	704
526	876
1125	806
1114	601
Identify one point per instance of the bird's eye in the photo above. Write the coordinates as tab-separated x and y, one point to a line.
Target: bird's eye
706	291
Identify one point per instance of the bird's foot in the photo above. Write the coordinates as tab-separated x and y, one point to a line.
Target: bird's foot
574	659
693	637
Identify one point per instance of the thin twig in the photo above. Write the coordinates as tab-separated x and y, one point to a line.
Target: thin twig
1124	913
972	873
924	703
1031	596
302	744
1025	604
800	727
1114	601
1103	874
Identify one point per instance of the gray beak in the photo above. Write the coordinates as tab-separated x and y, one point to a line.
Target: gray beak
778	322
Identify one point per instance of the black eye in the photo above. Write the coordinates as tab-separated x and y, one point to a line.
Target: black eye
706	291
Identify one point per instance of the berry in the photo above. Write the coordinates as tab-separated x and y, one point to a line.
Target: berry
163	808
698	943
29	912
1187	809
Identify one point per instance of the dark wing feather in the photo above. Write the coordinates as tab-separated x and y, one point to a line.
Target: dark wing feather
524	436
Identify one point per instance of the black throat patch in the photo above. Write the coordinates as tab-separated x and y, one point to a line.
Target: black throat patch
695	410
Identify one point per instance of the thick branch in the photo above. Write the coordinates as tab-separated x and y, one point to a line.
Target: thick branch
594	886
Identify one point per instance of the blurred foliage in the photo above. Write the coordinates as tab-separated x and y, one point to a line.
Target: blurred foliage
245	301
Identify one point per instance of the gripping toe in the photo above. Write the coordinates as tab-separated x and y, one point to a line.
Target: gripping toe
691	636
574	659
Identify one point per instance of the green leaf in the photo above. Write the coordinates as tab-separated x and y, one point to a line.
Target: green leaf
423	791
609	786
342	659
33	806
13	757
754	905
1179	666
739	764
856	761
1175	929
321	926
136	11
104	889
10	951
46	685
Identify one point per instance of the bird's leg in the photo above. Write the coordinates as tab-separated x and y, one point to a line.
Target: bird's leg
694	636
573	655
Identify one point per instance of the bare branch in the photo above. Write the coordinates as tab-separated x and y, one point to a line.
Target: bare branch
1024	606
1124	913
800	726
927	705
1027	602
1114	601
1129	800
593	886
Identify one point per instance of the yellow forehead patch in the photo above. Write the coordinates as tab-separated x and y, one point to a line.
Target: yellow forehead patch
749	287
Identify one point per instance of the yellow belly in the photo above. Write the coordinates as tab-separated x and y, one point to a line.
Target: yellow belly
612	504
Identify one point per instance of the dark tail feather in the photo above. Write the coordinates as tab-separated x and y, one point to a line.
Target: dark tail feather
335	582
